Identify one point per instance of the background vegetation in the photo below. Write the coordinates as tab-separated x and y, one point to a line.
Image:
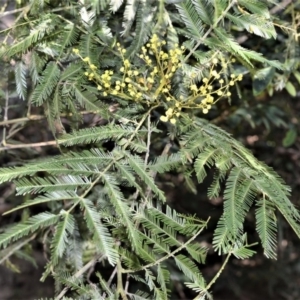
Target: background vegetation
125	127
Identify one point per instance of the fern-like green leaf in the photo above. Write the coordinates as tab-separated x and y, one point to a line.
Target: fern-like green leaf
188	267
138	166
165	163
37	33
48	184
92	135
60	239
48	82
205	158
20	230
266	227
102	237
144	25
118	201
20	77
191	19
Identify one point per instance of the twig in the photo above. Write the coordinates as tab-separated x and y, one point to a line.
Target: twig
280	6
41	117
112	276
11	12
215	277
5	117
120	289
127	284
148	141
32	145
20	120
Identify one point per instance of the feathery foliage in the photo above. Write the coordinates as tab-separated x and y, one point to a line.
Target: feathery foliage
103	197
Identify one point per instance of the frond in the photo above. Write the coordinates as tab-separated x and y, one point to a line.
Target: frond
256	7
36	65
37	33
226	42
86	163
101	236
188	267
165	163
68	37
89	48
48	184
199	286
233	205
46	198
138	165
266	227
20	230
205	158
139	295
152	285
129	15
116	198
144	25
191	19
197	252
99	5
71	71
64	229
20	77
96	134
254	24
85	98
214	189
52	111
222	240
74	251
108	290
74	283
163	278
255	178
47	84
204	10
241	249
127	174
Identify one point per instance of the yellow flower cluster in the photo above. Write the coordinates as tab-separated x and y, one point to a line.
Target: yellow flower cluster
153	86
211	90
171	114
133	85
206	90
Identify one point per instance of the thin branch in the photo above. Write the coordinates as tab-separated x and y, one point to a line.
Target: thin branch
32	145
5	117
21	120
148	141
127	284
280	6
120	288
215	277
11	12
113	274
